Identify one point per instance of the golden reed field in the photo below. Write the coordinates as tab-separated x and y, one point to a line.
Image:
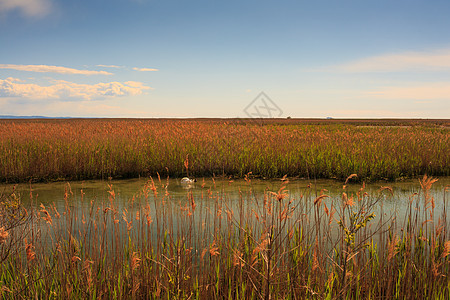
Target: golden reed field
45	150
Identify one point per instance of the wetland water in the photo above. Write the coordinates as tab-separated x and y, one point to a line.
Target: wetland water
81	194
112	212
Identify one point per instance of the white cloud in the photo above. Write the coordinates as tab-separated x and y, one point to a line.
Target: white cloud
64	90
145	69
408	61
109	66
52	69
29	8
135	84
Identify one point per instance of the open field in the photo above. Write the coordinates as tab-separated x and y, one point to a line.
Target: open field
74	149
262	246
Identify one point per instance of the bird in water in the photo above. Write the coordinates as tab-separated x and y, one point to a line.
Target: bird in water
186	180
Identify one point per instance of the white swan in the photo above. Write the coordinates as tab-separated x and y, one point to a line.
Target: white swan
186	180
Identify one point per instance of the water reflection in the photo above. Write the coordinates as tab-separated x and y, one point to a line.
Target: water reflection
131	195
210	206
83	192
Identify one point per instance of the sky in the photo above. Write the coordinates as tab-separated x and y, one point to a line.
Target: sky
175	58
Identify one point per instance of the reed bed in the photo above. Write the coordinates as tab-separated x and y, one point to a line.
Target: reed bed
260	246
79	149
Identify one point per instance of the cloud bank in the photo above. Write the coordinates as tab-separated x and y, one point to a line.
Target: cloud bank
69	91
29	8
408	61
52	69
418	91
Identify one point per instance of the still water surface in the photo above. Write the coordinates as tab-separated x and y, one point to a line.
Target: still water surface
82	193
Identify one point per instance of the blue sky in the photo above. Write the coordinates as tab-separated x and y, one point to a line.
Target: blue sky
168	58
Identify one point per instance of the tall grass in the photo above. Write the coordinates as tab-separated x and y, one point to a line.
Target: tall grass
40	150
260	246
